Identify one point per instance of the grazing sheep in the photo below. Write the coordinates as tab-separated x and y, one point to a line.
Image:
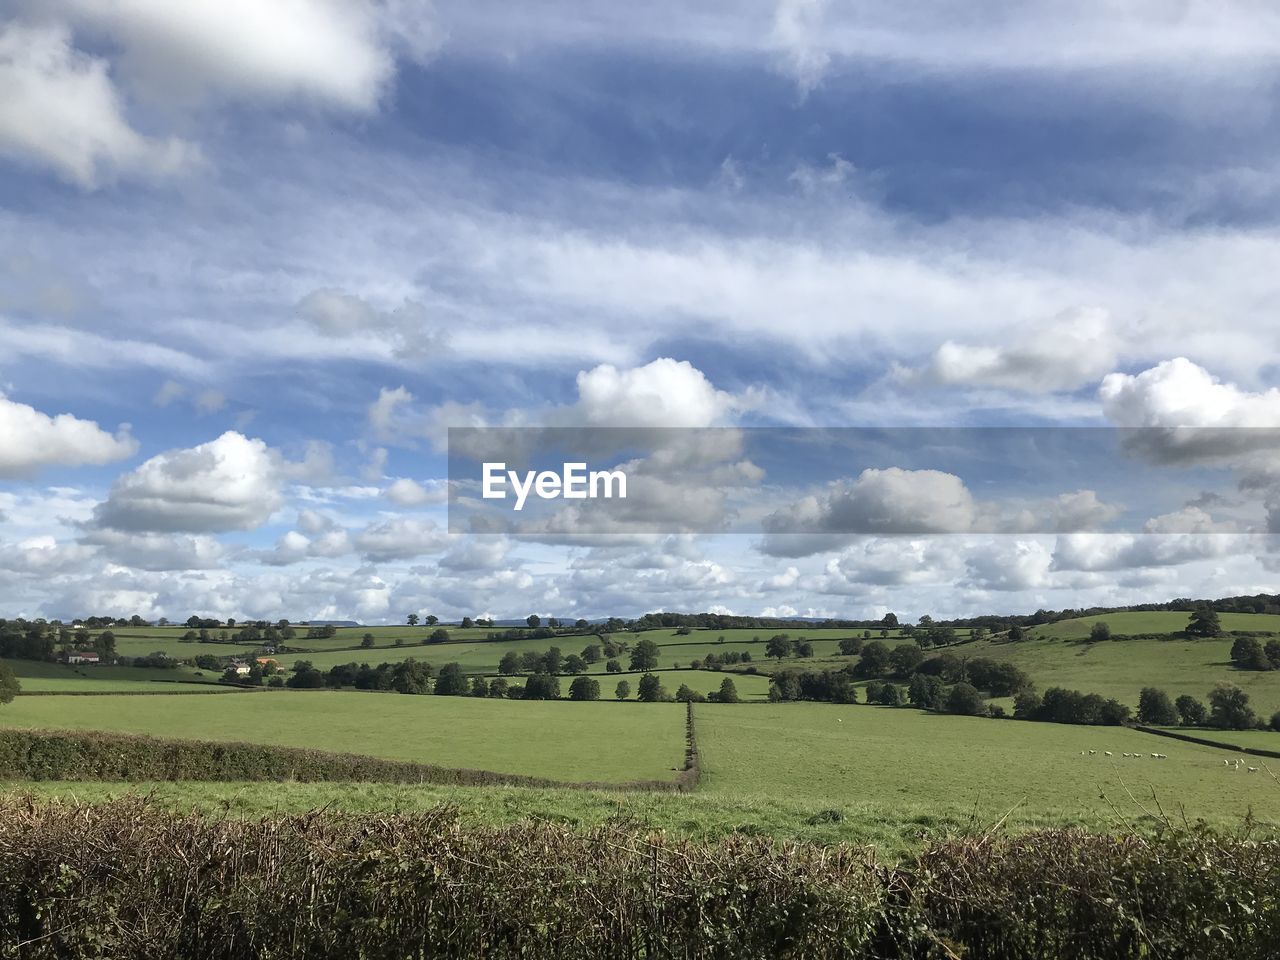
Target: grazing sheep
1092	752
1253	769
1226	763
1107	752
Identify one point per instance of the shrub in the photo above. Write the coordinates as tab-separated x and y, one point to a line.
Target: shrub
964	699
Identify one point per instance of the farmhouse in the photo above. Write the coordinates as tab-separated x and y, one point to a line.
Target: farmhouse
241	669
80	656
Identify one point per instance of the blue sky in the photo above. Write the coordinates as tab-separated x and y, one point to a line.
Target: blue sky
254	261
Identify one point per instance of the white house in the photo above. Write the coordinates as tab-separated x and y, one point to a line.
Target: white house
82	656
241	669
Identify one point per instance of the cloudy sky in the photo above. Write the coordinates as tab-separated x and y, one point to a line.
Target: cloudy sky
255	259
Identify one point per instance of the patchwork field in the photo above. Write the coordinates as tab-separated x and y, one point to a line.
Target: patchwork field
609	742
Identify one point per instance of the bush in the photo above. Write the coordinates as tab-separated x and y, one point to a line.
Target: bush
965	700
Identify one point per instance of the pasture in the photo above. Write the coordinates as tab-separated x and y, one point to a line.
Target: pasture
39	677
1121	668
607	742
1151	621
886	763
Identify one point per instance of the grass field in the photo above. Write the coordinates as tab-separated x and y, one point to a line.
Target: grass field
1121	668
35	676
900	764
1155	621
608	742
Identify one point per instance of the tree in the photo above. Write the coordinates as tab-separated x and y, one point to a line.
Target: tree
9	685
451	682
439	635
622	690
802	648
366	641
613	666
479	687
1099	632
105	644
533	620
687	694
1275	721
651	689
307	679
584	688
574	664
411	677
412	619
926	692
875	659
728	692
591	652
1015	632
644	655
905	657
1155	708
1191	710
542	686
509	665
1204	623
852	646
431	620
552	661
964	699
467	623
779	646
498	687
1229	708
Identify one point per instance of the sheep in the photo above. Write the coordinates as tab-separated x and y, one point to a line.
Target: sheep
1092	752
1253	769
1107	752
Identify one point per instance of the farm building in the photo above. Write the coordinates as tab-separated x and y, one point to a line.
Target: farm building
80	656
241	669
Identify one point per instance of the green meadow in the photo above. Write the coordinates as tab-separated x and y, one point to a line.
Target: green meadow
608	742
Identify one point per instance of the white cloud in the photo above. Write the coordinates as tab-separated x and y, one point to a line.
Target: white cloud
1072	350
31	440
663	393
797	36
157	551
407	327
231	483
328	51
399	538
405	492
1105	552
60	109
1179	393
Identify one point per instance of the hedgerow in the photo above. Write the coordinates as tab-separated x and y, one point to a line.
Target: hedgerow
126	880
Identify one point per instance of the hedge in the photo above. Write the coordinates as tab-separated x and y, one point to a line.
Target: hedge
128	758
129	881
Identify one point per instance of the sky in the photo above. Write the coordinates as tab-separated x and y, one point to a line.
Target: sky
257	259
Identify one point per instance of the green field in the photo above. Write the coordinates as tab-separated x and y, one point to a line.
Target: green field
901	764
37	677
1121	668
1155	621
608	742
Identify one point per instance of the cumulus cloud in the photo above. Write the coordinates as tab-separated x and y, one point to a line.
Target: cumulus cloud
231	483
31	440
1074	349
404	492
663	393
157	551
61	109
1107	552
399	538
1179	393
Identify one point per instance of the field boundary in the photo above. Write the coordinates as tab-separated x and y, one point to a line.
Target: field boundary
691	775
1186	737
91	755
